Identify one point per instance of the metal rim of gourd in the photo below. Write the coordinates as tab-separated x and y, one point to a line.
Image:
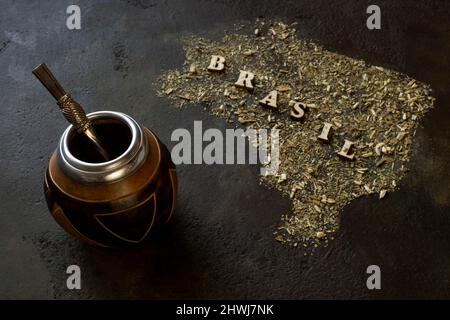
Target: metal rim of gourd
108	171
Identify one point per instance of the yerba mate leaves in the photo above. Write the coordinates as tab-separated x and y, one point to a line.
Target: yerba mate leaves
374	108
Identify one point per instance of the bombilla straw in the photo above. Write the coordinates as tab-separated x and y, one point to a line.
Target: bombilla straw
71	110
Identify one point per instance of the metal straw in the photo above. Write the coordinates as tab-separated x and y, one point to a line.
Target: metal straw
71	110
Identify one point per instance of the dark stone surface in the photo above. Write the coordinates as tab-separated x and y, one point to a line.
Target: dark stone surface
220	243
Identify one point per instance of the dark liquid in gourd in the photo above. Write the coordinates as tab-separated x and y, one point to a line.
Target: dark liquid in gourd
114	135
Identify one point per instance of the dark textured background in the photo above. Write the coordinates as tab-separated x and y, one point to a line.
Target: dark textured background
220	243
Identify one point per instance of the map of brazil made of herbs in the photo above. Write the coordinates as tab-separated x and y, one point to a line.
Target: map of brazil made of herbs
378	110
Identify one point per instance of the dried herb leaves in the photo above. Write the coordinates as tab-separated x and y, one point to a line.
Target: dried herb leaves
376	108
